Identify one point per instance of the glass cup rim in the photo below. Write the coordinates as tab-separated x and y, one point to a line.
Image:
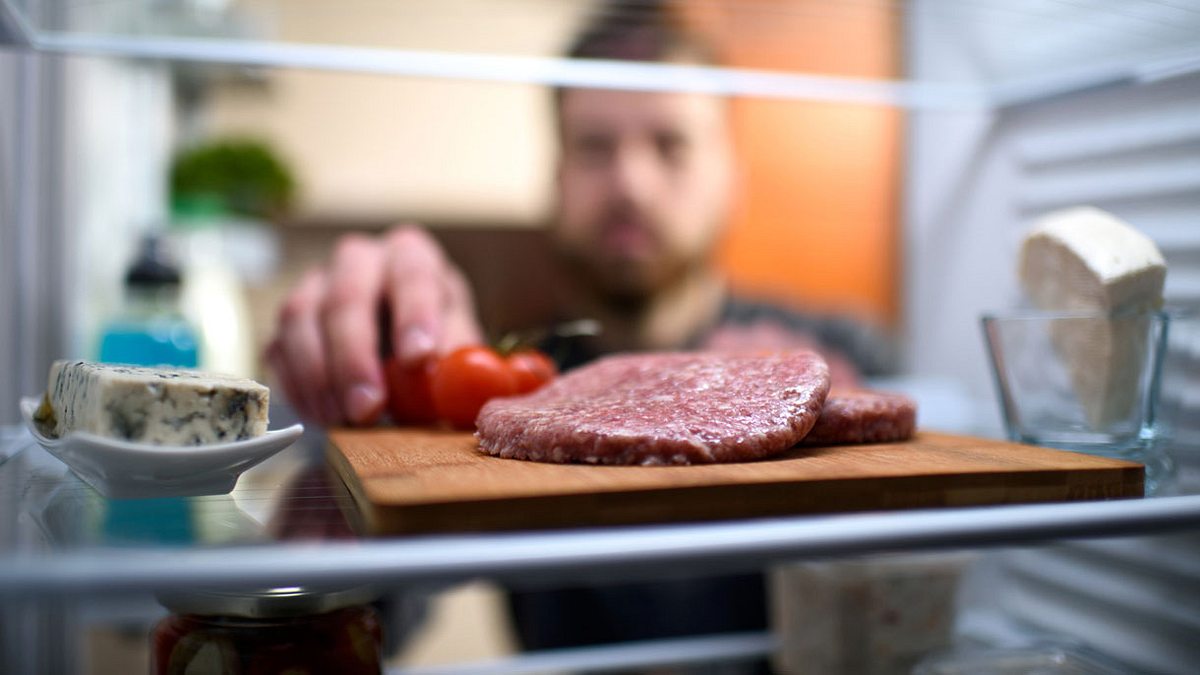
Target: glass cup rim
1054	314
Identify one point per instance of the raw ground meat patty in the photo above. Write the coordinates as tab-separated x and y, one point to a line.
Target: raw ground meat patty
668	408
860	416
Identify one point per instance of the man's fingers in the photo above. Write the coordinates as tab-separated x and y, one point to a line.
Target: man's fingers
461	326
299	350
327	350
414	289
349	318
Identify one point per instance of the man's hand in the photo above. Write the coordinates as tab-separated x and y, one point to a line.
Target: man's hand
326	350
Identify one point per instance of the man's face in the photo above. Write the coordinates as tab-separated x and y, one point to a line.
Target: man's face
645	182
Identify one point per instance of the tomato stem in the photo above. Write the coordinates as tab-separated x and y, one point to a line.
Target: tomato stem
517	340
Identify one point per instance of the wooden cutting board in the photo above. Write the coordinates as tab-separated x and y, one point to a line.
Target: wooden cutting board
421	481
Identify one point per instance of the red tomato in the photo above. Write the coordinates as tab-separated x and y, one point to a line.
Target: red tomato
465	379
410	391
532	369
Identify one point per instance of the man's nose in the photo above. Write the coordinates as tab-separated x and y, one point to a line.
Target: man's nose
635	172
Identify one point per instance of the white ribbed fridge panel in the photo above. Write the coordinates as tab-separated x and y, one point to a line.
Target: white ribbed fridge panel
975	183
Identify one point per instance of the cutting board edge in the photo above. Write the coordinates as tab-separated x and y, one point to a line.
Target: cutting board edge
367	513
443	517
1089	478
596	509
1124	479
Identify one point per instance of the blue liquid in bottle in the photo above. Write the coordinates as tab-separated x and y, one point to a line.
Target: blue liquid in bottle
161	340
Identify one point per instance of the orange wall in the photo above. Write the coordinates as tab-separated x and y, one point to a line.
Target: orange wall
818	222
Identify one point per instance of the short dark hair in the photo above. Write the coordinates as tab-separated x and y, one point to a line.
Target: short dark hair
636	30
639	30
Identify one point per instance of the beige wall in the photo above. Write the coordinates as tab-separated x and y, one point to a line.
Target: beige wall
367	146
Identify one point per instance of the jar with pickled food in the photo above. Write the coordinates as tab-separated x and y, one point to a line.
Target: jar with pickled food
290	630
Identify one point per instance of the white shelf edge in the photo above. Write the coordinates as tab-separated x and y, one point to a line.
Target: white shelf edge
547	557
548	71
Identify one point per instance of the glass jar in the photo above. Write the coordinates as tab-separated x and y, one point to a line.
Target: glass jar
264	632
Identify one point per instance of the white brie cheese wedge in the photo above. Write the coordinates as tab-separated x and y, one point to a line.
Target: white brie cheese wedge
159	406
1087	260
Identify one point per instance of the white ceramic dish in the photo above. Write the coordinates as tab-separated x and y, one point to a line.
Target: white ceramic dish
121	469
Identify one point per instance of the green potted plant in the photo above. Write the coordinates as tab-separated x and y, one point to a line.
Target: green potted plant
233	176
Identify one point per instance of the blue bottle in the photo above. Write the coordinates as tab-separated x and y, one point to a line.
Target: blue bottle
150	331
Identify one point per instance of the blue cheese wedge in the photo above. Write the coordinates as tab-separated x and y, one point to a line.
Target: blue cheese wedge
158	406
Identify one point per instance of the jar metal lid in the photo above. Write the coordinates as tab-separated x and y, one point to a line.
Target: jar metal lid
265	603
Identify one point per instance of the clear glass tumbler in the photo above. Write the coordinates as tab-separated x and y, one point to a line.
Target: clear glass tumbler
1080	381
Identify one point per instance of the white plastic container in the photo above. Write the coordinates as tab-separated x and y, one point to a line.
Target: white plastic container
872	616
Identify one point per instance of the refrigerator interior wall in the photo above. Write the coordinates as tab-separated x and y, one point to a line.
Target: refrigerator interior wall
35	250
9	270
82	153
119	129
1135	600
975	182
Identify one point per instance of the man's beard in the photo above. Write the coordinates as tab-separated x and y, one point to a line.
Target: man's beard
628	286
